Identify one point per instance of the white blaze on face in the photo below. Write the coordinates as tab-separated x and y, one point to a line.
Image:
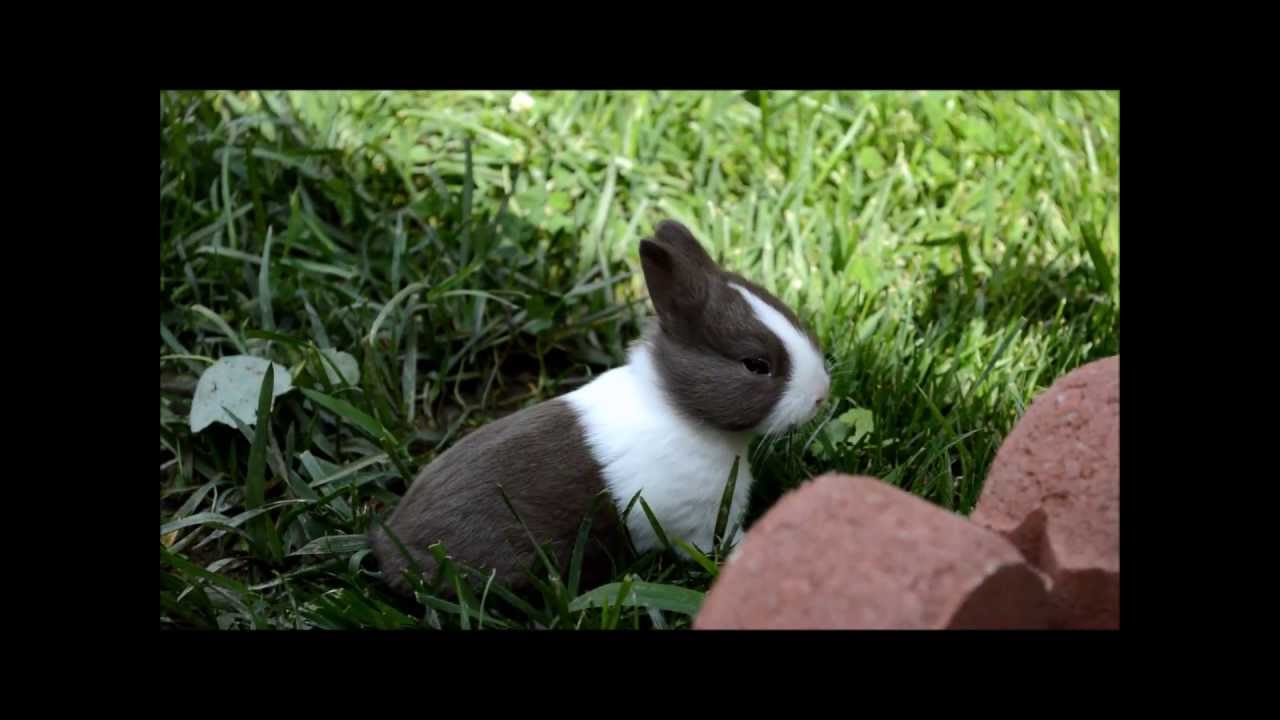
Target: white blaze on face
809	381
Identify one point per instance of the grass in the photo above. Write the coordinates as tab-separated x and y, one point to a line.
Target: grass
954	252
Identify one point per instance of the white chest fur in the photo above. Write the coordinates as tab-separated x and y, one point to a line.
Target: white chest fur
644	445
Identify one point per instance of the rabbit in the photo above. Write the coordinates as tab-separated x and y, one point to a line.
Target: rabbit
724	362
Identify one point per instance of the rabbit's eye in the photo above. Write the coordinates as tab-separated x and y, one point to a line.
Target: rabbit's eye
759	366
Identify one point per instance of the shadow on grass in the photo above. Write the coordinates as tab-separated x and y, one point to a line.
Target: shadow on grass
946	382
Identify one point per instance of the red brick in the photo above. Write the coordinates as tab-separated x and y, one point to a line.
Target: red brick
846	552
1054	491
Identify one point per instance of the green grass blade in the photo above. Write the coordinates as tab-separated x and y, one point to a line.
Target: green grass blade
348	412
505	593
613	611
580	545
261	529
181	563
1101	268
222	325
409	372
726	503
698	557
468	188
333	545
264	285
278	337
671	598
391	305
195	519
1009	335
414	577
657	527
226	190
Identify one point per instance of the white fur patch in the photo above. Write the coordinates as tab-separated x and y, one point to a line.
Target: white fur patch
809	380
645	445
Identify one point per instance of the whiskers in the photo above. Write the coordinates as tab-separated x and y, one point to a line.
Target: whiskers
769	440
818	429
765	445
832	367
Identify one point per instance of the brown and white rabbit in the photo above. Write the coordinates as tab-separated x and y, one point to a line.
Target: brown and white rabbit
726	361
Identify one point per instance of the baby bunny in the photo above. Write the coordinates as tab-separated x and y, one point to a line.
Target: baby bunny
724	362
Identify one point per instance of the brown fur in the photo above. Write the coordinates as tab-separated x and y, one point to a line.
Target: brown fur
539	456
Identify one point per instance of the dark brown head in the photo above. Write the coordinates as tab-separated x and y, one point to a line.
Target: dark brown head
727	352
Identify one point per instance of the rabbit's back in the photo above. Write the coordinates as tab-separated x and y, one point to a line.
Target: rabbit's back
539	458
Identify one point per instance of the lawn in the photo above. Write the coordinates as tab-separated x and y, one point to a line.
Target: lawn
421	263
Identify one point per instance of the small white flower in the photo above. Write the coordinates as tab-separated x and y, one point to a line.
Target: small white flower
521	102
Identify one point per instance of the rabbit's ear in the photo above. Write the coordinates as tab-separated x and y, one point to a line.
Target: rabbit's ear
678	273
677	237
